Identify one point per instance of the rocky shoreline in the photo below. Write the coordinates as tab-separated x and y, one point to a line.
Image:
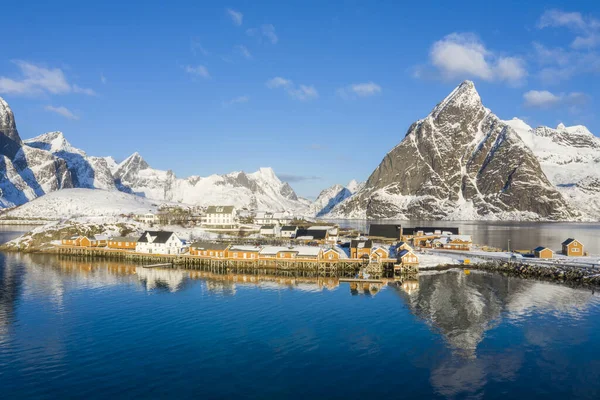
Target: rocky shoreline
567	275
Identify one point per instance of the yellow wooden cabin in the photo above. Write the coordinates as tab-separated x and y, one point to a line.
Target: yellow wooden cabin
572	247
543	252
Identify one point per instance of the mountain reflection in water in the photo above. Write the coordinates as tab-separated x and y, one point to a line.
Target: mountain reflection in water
436	335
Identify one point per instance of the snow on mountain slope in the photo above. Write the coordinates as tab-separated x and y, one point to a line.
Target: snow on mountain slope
331	197
70	203
86	172
259	190
460	162
570	158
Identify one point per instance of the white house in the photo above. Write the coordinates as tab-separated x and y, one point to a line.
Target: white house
271	218
221	217
270	230
160	242
289	231
147	218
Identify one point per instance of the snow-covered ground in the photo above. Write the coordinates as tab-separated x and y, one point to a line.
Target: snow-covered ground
69	203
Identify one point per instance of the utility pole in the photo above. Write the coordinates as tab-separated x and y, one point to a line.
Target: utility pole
509	245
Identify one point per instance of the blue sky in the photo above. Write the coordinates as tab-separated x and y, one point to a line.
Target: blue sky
320	91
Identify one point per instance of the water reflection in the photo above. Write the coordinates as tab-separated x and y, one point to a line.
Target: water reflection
462	307
450	334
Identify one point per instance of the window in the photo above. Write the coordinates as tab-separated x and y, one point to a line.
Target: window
575	250
235	255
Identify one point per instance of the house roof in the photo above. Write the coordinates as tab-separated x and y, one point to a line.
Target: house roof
274	250
380	248
220	209
123	239
307	251
161	236
314	233
255	249
201	245
403	253
366	244
540	248
387	231
289	228
267	227
569	241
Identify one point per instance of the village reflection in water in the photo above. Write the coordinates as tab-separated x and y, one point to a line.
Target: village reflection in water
461	307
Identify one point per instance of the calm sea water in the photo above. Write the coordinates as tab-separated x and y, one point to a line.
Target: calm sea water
523	235
97	330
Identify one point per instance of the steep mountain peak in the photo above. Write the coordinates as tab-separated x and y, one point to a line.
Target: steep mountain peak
575	130
265	174
10	141
354	186
8	127
53	142
463	97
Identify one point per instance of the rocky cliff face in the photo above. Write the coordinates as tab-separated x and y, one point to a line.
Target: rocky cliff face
25	172
460	162
86	172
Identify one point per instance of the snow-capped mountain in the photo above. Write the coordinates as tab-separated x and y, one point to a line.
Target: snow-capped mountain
86	172
332	196
459	162
49	162
26	172
570	158
259	190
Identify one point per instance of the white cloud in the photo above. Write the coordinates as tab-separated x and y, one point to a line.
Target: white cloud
278	82
243	50
199	70
298	92
65	112
540	99
546	99
266	31
236	100
359	90
304	92
236	16
588	28
463	55
37	80
558	18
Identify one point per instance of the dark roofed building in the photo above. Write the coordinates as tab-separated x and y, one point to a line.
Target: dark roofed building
360	248
289	228
160	236
316	234
385	231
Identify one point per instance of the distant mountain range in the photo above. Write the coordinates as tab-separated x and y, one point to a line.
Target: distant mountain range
48	163
461	162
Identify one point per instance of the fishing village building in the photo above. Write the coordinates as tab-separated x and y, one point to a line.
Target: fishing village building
224	217
208	249
122	243
289	231
385	232
572	247
160	242
543	252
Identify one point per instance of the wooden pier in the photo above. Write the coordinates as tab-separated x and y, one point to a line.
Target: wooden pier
341	267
